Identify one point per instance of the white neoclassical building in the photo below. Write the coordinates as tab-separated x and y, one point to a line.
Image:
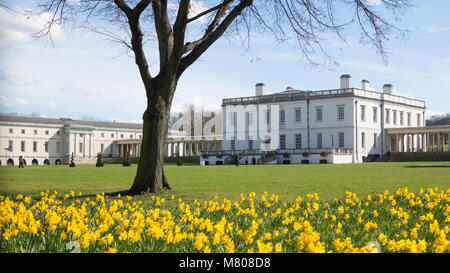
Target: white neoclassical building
52	141
344	125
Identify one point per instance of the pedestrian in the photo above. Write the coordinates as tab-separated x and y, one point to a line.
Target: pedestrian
20	162
236	160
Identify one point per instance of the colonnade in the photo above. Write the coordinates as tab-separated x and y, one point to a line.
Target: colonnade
175	148
419	141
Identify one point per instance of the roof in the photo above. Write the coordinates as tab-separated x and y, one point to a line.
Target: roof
63	121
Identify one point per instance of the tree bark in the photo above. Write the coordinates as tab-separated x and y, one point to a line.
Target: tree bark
150	175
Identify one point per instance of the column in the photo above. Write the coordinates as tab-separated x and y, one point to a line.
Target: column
438	141
428	142
75	145
423	143
448	142
396	143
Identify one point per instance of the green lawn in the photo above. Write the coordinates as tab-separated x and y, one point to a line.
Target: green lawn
204	182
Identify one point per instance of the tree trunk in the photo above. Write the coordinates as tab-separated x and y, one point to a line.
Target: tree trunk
150	173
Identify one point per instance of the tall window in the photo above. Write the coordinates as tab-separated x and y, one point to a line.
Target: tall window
23	131
298	141
102	148
282	116
418	120
375	114
298	115
401	117
340	112
35	132
409	119
268	117
282	142
341	139
363	139
388	118
47	132
319	114
22	146
319	140
57	147
363	113
394	113
375	140
81	147
10	130
233	144
46	146
250	144
10	145
34	146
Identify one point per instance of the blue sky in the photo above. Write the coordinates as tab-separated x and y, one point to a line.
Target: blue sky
84	75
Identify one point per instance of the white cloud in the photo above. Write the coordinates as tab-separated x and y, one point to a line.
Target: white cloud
16	27
16	77
11	102
374	2
50	104
197	7
436	29
447	60
70	89
430	113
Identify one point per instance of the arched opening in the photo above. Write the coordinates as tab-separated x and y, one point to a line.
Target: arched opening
10	162
34	162
46	162
57	162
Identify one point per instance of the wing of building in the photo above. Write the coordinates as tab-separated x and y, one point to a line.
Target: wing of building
50	141
342	125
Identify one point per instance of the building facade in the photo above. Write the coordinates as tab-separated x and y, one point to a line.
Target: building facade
52	141
341	125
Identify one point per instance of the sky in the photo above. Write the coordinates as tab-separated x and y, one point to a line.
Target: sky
83	75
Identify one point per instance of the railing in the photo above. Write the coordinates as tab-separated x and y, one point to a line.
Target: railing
292	95
333	151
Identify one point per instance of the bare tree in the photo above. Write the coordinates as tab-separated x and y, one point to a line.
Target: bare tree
170	26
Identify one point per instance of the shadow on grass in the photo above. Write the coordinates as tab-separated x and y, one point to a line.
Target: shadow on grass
429	166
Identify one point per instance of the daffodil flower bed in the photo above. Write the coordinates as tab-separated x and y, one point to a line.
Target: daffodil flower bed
399	222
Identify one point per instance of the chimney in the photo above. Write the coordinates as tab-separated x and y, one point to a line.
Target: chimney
365	85
259	89
346	81
387	89
289	88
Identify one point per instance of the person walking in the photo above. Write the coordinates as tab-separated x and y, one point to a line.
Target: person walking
236	160
20	162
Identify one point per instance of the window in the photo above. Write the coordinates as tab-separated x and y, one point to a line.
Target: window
298	141
121	135
340	112
23	131
318	114
81	147
112	135
319	140
103	134
375	140
46	146
81	135
140	136
409	119
34	146
250	144
282	142
57	133
10	130
35	132
233	144
268	117
363	113
10	145
131	136
57	147
387	116
341	139
102	147
401	117
418	120
22	146
282	116
47	132
267	141
298	115
394	113
375	115
363	139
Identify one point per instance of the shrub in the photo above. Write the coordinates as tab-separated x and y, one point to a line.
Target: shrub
305	154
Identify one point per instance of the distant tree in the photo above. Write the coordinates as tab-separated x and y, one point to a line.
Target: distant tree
438	120
173	26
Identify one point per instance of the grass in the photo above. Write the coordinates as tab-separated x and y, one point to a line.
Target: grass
203	183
